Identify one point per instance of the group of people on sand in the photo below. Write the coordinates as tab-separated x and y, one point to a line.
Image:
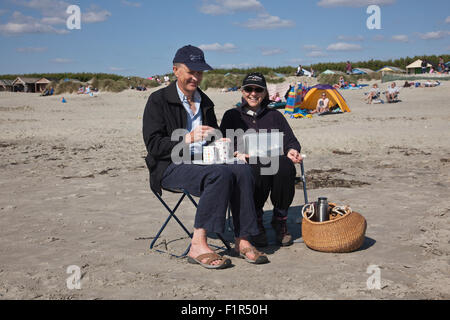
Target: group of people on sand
391	93
48	92
87	89
243	185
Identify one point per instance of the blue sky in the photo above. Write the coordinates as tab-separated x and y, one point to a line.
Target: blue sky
136	37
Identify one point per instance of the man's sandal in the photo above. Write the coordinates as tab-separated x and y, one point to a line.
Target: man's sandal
261	258
211	257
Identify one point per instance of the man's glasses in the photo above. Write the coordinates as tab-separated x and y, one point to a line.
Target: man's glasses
255	89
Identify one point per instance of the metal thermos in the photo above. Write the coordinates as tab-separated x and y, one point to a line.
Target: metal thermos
322	212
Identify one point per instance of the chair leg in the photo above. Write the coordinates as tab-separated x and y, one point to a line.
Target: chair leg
171	215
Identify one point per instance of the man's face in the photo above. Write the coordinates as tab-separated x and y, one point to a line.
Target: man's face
188	80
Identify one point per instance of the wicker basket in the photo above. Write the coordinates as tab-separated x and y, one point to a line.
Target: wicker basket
343	234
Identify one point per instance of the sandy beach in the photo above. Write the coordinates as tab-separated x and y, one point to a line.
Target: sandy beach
74	191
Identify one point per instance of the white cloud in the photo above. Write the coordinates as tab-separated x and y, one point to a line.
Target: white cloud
94	16
219	7
447	20
226	47
267	22
31	50
271	52
232	65
316	54
21	24
311	47
343	46
353	3
117	69
400	38
295	61
350	38
131	4
434	35
61	60
53	13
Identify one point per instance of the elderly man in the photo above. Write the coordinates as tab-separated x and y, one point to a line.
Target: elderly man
182	105
392	92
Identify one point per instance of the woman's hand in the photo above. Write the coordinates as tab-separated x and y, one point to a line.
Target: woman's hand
294	155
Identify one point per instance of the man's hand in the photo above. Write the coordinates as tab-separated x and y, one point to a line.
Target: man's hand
198	134
295	156
241	156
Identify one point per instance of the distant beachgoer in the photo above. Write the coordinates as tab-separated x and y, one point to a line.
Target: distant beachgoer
374	93
349	68
323	104
275	97
392	92
80	90
424	66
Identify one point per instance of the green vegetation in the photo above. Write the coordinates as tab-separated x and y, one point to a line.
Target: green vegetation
222	78
334	78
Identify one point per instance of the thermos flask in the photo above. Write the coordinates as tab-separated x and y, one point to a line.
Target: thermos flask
322	212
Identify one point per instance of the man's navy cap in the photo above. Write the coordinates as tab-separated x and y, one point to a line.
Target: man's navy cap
192	57
255	79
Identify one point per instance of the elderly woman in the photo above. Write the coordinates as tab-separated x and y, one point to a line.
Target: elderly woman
254	114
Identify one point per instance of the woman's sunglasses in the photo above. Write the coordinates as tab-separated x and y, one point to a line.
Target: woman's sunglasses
255	89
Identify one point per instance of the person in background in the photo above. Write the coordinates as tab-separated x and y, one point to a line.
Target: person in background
374	93
323	104
392	92
349	68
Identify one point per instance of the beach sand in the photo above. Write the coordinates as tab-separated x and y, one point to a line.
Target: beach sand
74	191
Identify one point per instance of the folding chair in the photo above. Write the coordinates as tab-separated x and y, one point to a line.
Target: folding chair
172	215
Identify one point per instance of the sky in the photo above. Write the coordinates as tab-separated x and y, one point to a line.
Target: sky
140	38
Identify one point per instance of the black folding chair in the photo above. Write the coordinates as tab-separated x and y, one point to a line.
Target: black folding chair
172	215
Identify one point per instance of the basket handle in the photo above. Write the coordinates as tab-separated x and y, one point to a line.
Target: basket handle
308	208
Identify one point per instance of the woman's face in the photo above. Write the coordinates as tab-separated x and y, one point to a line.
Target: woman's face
253	95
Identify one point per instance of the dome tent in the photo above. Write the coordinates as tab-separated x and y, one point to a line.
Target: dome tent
313	95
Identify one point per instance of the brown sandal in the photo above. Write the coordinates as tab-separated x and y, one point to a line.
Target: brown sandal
224	262
261	258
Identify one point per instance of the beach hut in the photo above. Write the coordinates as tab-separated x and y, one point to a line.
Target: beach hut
416	67
313	95
22	84
6	85
41	84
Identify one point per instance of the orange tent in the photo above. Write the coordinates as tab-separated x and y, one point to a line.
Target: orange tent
313	95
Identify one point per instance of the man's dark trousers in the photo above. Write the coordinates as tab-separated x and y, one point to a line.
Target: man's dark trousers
216	185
